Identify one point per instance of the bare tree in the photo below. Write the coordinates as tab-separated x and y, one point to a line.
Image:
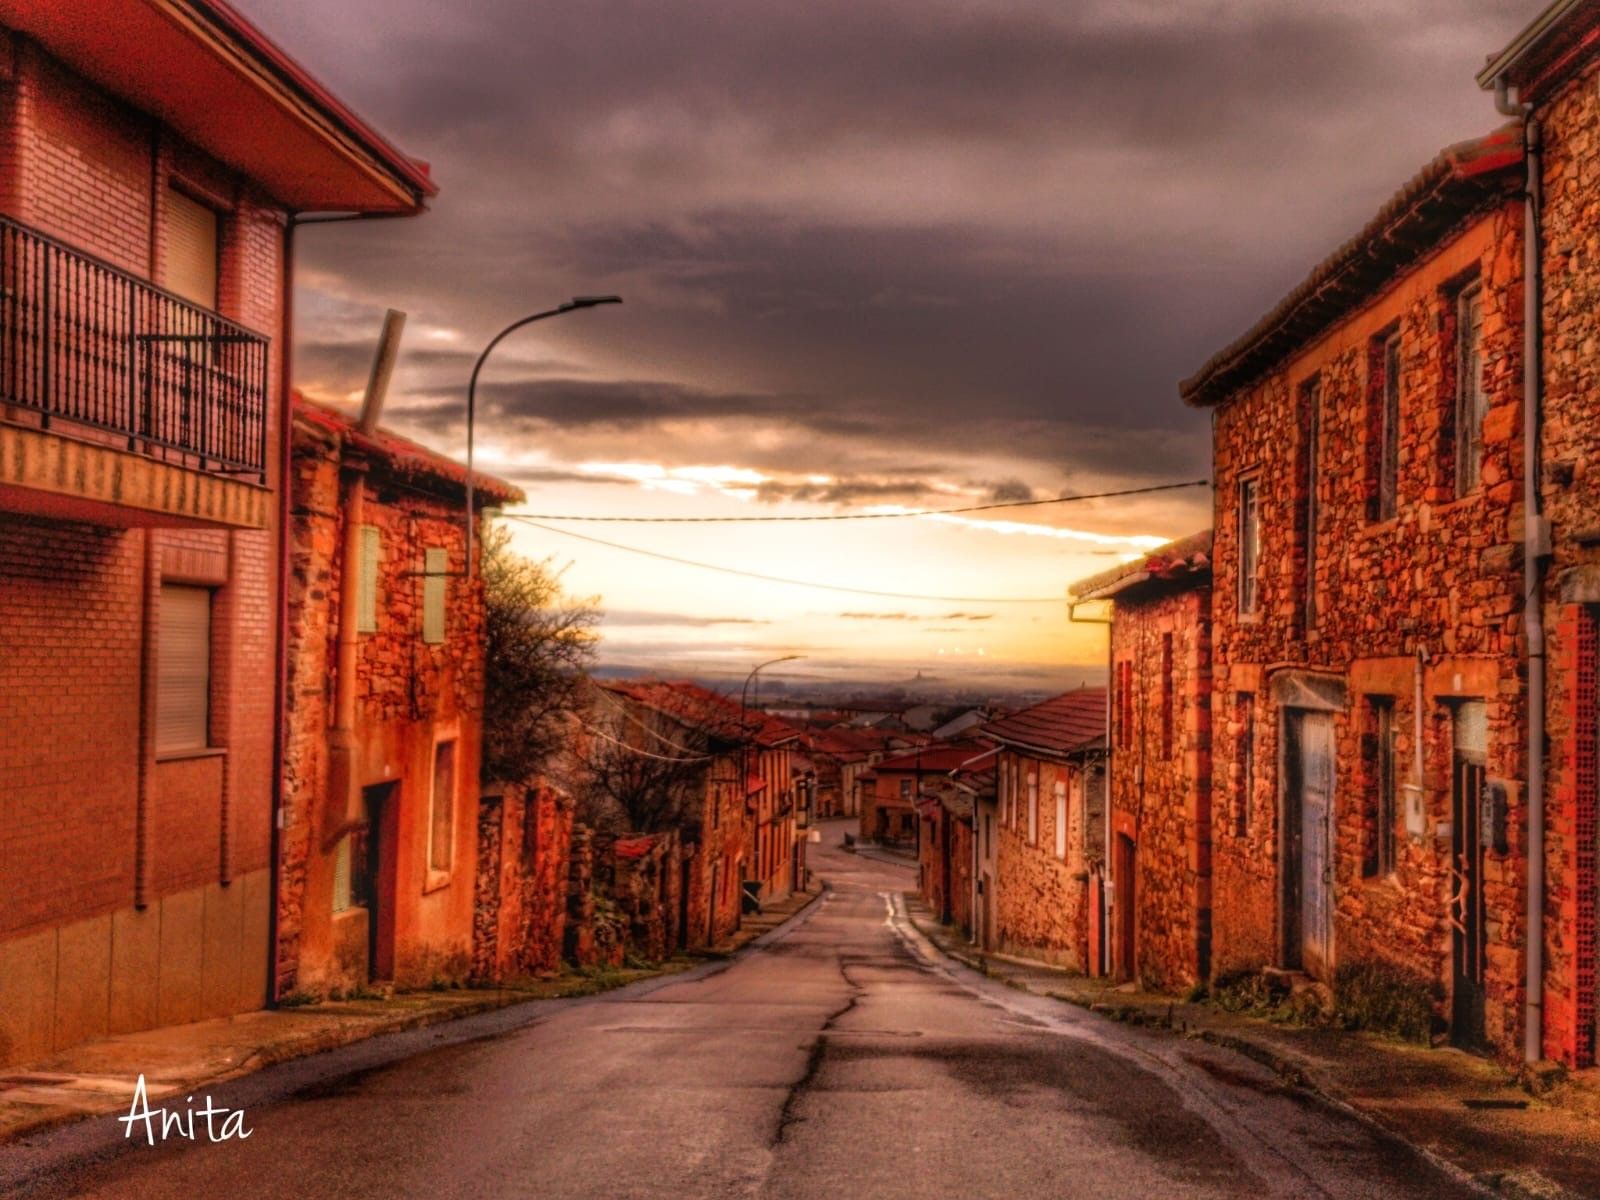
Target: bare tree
541	644
644	773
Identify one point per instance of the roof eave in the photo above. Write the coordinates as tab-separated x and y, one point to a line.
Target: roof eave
1526	43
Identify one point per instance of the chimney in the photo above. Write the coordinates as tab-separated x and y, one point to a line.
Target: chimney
394	323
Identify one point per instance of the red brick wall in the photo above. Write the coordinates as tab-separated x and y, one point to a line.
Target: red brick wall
71	611
1443	576
1162	801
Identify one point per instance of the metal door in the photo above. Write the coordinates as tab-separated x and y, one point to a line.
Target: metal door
1309	861
1468	940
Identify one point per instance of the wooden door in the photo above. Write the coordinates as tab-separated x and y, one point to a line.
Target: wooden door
1468	939
1124	911
1308	843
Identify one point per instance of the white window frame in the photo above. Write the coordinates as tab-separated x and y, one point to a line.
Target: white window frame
439	876
1061	819
1033	808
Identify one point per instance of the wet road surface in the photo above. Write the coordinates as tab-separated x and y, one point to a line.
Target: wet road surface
842	1058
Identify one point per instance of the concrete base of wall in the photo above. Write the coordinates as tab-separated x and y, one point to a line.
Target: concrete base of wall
186	957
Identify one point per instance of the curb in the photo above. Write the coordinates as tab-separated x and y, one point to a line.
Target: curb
1294	1074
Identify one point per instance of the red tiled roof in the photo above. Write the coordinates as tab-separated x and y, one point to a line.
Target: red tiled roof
1187	560
634	847
703	709
943	759
1064	724
1459	181
400	454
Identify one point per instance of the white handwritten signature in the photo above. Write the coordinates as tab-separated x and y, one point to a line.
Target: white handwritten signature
161	1123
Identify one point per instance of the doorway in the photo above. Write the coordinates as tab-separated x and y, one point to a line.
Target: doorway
1308	842
373	867
1124	908
1468	939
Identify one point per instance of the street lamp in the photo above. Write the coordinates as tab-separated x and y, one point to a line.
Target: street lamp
572	305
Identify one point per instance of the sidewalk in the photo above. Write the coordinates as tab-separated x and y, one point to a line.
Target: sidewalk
97	1077
1468	1111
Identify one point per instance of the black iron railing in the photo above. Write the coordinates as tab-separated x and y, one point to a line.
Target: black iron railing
84	342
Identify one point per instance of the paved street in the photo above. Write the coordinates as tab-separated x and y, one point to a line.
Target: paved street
841	1058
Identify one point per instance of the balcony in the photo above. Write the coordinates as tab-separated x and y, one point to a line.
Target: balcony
118	394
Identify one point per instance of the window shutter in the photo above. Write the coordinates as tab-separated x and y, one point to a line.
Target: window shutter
441	838
190	232
183	674
1061	819
367	581
434	565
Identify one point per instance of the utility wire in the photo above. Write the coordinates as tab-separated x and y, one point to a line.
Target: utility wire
601	733
881	516
805	583
628	714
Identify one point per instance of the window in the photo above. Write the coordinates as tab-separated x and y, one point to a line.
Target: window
189	234
1061	820
435	578
366	598
441	825
1166	695
988	835
1249	544
1388	458
1378	858
905	789
1033	809
1310	423
183	672
1246	716
1471	402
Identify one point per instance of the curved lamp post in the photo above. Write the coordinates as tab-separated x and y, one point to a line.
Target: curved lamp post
572	305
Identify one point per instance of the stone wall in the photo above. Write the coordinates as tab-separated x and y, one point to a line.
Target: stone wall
519	926
1042	908
1161	785
1440	579
1570	483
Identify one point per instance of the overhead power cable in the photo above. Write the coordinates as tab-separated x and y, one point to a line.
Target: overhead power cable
642	753
875	516
805	583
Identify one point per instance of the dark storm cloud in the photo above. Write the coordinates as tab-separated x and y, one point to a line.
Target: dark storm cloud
872	231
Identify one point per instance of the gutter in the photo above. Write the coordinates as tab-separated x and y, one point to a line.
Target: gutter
1536	529
1496	73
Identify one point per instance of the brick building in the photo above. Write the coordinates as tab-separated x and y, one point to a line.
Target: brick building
148	200
1159	865
1049	839
1367	606
384	711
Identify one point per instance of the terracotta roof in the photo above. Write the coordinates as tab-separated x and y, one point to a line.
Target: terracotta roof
701	708
1555	43
1458	182
634	847
1184	562
941	759
399	454
1065	724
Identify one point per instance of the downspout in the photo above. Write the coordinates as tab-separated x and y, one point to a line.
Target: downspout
1535	548
281	666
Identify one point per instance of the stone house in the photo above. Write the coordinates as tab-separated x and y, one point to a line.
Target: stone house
894	784
1367	779
384	711
946	851
525	834
1050	839
719	838
1158	906
1554	69
147	205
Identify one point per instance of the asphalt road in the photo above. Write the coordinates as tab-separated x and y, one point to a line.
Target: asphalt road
842	1058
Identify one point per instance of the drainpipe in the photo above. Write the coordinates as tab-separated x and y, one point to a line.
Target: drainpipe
1535	549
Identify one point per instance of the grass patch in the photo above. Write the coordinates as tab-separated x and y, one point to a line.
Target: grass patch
1382	998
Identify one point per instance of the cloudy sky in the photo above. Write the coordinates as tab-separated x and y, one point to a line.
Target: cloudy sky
876	255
